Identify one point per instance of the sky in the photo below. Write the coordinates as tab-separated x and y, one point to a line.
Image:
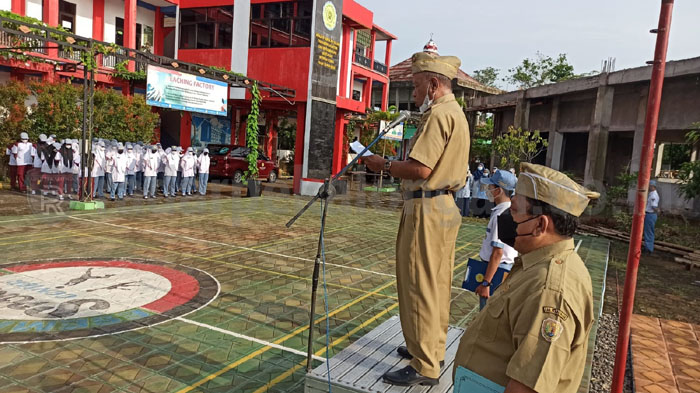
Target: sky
501	33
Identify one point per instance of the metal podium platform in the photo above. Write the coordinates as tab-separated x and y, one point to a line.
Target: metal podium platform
359	367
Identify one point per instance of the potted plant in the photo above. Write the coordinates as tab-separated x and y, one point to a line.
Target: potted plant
251	175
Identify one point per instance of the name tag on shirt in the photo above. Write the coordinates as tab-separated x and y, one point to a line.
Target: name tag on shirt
467	381
476	270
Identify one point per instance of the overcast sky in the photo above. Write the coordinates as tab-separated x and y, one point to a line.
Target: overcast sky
500	33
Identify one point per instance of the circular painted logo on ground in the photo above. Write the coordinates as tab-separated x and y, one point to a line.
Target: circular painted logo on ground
59	300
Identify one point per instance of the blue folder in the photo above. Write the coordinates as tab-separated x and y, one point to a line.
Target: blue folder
467	381
476	270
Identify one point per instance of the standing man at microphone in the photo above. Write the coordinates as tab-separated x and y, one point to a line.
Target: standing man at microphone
425	245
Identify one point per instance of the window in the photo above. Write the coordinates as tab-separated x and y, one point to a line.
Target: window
119	31
673	155
206	28
66	15
281	24
144	35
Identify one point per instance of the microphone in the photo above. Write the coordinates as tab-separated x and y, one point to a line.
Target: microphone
403	116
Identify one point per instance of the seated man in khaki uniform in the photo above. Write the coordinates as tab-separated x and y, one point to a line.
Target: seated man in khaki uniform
532	335
430	220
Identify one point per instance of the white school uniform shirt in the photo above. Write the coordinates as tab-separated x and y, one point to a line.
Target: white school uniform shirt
492	241
171	161
466	191
203	163
45	168
131	163
151	162
23	153
652	202
161	163
109	159
8	152
98	166
37	157
188	163
119	168
67	169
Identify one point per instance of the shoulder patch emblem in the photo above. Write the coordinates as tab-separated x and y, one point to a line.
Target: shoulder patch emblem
559	313
551	330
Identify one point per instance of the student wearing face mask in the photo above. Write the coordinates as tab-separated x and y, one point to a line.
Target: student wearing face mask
119	170
203	166
171	162
151	161
98	170
532	336
425	246
131	165
188	163
493	251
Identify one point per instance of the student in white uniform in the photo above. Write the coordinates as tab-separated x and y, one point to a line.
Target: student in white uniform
76	166
203	167
151	162
161	168
171	161
13	166
138	152
110	152
650	216
131	164
119	170
22	151
498	254
52	176
34	174
188	163
98	170
67	162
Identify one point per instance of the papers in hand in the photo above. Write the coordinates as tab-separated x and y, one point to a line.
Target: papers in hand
357	148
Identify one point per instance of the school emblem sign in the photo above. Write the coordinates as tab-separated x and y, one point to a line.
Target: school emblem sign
59	300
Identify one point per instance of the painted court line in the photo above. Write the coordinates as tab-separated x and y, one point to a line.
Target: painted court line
244	337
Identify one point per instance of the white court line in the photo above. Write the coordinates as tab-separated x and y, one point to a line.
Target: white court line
578	245
244	337
238	247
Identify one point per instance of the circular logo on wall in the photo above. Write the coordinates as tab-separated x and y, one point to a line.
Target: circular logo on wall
59	300
330	15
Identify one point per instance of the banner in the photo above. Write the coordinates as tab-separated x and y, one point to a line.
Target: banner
210	129
395	134
186	92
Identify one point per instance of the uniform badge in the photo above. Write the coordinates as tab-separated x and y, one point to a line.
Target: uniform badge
559	313
551	329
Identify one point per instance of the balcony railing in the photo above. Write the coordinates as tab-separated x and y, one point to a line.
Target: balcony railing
280	32
363	61
380	67
8	40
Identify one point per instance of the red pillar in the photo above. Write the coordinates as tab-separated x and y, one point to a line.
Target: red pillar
385	97
98	19
158	35
271	140
338	142
50	11
130	27
19	7
367	94
185	129
299	147
373	42
387	56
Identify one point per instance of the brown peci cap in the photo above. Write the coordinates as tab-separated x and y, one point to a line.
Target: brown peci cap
443	65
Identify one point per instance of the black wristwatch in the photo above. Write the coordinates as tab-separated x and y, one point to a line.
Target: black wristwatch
485	283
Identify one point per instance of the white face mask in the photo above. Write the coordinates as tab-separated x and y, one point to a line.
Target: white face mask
490	196
427	102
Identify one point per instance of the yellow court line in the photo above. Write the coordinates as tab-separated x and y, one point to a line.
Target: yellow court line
278	341
294	369
75	233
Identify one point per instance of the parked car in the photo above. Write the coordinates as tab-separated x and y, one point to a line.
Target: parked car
229	162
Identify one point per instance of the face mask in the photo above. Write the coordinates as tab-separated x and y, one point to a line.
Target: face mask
120	151
489	195
480	168
154	151
508	228
427	102
206	154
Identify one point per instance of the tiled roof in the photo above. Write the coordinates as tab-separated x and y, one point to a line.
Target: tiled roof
402	73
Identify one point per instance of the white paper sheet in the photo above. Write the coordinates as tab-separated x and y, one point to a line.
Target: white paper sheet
357	148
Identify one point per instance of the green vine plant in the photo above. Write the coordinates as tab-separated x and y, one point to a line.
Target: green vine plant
252	133
122	71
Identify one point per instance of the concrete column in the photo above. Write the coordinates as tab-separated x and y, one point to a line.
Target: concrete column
598	137
639	130
397	98
555	138
659	160
522	112
239	45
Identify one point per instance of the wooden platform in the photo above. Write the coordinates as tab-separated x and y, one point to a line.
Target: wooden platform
359	367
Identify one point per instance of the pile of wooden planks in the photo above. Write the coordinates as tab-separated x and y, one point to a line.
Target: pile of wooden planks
684	255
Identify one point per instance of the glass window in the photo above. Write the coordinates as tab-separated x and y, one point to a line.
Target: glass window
119	31
206	28
281	24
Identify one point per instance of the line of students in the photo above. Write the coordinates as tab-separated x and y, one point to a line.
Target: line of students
122	169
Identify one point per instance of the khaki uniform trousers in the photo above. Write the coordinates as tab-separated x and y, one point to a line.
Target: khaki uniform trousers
425	251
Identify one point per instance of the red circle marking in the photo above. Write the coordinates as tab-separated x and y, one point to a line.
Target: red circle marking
183	286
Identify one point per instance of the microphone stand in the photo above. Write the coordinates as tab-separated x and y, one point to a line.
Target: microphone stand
325	194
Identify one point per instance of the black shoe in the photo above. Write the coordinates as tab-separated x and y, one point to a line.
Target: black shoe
408	376
403	352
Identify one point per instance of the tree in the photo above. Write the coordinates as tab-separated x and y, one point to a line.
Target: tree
286	134
57	110
486	76
540	71
481	140
13	116
123	118
370	129
689	174
518	145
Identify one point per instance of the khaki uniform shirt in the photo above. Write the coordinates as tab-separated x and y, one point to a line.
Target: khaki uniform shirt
442	144
535	328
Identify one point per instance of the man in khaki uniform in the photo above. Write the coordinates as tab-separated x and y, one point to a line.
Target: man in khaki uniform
425	245
532	336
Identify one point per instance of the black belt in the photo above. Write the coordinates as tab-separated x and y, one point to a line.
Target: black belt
424	194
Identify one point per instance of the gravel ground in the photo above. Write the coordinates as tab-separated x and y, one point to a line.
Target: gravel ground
604	357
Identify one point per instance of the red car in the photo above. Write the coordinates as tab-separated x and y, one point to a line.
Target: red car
229	162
